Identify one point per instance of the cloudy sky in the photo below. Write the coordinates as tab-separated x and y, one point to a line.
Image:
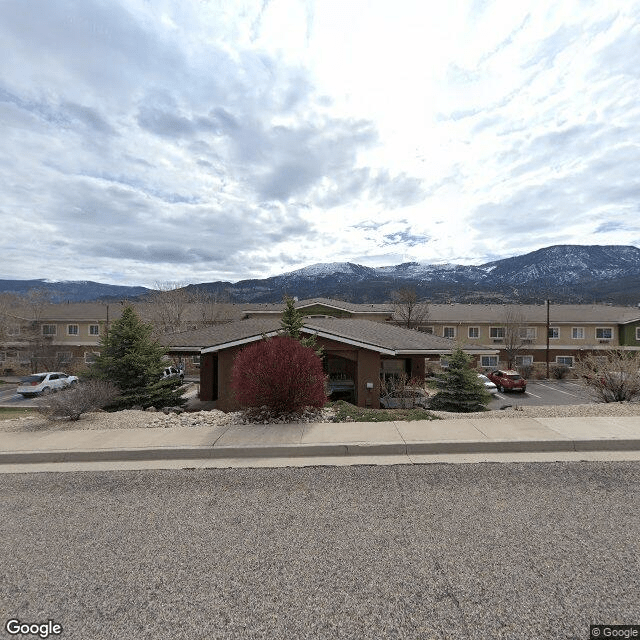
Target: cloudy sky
146	141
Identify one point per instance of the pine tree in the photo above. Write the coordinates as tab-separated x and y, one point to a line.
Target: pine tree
460	389
291	323
133	361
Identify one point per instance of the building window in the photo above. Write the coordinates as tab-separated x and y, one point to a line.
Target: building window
577	333
567	361
449	332
474	332
527	333
490	362
444	363
94	330
64	357
524	361
428	330
637	333
496	332
72	329
196	360
90	356
604	333
49	329
554	333
13	330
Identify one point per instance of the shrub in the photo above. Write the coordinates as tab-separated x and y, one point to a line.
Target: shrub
279	373
611	377
459	388
559	371
71	403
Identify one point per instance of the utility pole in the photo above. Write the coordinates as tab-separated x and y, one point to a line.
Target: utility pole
547	352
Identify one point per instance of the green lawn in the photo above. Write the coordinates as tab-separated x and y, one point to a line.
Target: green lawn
9	414
344	410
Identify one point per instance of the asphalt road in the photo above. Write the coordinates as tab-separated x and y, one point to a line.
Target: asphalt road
517	551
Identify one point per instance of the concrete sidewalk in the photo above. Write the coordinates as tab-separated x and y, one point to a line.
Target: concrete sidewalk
465	440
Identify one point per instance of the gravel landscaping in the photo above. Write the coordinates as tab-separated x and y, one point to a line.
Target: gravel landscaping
140	419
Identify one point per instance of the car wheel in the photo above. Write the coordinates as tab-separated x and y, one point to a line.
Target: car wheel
46	391
500	388
73	383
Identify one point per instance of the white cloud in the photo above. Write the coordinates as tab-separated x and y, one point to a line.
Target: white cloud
196	141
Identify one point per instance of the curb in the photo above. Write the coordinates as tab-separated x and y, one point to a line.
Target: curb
318	450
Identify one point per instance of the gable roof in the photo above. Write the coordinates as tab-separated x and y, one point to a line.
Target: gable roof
351	307
375	336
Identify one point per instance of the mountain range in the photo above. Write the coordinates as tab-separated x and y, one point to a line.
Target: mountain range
561	273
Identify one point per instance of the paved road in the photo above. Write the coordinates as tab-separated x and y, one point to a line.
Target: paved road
516	551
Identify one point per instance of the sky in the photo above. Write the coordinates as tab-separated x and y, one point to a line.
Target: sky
147	142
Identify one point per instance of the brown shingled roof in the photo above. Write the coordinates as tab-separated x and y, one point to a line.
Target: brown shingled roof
375	336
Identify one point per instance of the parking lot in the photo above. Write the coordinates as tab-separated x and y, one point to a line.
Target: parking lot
539	392
544	392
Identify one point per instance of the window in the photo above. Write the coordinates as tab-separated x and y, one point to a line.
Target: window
444	363
196	360
474	332
13	330
496	332
90	356
554	333
94	330
524	361
567	361
637	333
72	329
489	361
604	333
428	330
49	329
527	333
64	356
449	332
577	333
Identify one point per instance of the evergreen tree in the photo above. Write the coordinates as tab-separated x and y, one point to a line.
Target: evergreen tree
460	389
133	361
291	323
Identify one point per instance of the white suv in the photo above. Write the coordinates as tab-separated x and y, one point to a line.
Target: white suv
172	372
44	383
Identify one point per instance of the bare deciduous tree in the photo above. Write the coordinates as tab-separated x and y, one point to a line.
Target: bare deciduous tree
174	307
409	309
613	376
514	334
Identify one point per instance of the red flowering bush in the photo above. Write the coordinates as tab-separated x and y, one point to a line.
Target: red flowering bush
279	373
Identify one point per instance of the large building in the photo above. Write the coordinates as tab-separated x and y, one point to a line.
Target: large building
67	336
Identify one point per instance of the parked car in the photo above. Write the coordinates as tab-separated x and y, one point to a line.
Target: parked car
44	383
407	399
508	380
172	372
488	385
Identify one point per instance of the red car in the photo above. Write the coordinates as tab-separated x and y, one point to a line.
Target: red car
507	380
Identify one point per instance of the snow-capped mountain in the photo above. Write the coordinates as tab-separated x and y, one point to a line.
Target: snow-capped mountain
563	273
570	273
